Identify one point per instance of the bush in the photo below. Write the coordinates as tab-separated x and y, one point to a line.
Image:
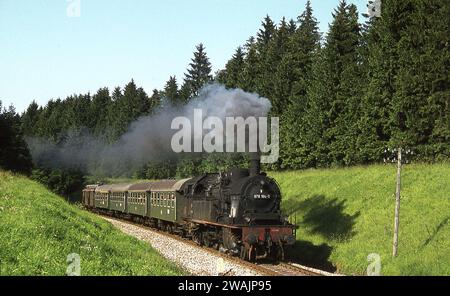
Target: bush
59	181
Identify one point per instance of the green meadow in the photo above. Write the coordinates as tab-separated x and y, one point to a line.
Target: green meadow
39	230
346	214
343	215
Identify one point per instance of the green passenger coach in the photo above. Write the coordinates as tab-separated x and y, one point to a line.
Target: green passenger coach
102	196
163	200
118	196
138	195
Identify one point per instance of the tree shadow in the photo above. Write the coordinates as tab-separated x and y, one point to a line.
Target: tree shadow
436	231
319	215
308	254
322	216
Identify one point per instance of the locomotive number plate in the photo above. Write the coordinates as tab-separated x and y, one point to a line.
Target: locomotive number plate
261	196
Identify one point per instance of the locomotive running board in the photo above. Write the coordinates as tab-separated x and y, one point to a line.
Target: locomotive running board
212	223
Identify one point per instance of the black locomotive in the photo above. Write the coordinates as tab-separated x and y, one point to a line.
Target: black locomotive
237	212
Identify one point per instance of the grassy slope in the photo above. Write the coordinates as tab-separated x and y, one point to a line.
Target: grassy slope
346	214
38	230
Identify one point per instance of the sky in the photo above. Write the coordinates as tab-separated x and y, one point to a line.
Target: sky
55	48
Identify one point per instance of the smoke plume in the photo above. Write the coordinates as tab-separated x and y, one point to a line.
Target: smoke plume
148	138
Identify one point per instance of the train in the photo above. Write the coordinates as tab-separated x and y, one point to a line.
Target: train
237	212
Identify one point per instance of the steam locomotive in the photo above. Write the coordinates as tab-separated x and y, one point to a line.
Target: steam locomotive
237	212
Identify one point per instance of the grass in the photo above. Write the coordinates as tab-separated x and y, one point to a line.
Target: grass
343	215
346	214
38	230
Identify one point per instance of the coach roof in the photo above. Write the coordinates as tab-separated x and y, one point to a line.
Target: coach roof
113	188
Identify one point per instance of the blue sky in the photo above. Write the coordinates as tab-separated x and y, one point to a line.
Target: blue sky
46	54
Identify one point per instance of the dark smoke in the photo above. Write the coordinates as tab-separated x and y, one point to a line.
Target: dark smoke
147	139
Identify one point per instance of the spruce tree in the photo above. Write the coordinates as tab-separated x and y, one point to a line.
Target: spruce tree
14	153
198	74
264	67
379	120
250	71
276	79
420	108
30	118
233	76
171	91
334	93
296	69
304	44
155	100
99	110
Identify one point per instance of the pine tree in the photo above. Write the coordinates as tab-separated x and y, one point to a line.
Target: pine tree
265	34
334	93
293	76
115	127
198	74
347	105
380	121
304	44
14	153
277	75
264	67
99	110
171	91
250	71
30	119
233	75
127	107
420	108
292	26
155	100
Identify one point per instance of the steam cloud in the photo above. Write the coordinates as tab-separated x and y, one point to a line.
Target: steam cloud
148	138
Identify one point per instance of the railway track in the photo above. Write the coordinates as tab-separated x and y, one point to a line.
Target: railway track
265	269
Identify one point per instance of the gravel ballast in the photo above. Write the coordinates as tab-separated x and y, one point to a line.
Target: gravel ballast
193	259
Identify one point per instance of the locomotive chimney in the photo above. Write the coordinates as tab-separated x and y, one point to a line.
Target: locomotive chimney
255	163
